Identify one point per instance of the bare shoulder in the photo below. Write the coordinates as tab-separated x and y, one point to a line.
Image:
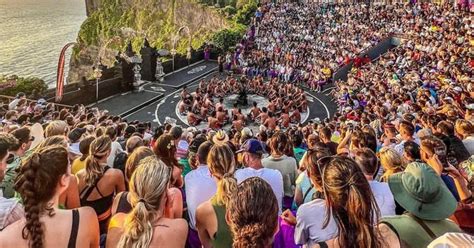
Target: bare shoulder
388	237
204	209
87	213
114	173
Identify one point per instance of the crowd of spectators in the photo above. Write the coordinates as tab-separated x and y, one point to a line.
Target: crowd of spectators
393	167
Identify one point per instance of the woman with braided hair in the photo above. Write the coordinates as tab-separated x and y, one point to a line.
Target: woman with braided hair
252	214
98	183
210	215
42	178
146	225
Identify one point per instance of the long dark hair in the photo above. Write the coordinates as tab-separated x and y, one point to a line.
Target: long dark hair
36	183
165	150
350	202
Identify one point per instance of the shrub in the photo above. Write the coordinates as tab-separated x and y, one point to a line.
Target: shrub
11	85
245	14
229	11
227	38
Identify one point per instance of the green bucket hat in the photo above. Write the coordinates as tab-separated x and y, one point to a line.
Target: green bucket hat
420	191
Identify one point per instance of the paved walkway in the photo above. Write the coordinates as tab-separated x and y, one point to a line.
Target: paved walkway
130	103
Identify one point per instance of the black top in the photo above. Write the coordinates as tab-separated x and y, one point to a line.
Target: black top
102	206
123	205
74	229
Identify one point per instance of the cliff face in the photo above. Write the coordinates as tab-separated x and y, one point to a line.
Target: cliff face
111	24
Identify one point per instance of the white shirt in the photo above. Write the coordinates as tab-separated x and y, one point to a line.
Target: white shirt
115	149
271	176
383	197
200	187
309	224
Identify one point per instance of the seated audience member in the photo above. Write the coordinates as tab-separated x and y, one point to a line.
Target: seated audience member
122	201
17	153
367	161
211	222
434	153
80	162
69	199
252	214
391	162
10	209
349	205
146	225
45	224
465	131
165	150
305	189
200	186
428	203
98	183
284	164
252	152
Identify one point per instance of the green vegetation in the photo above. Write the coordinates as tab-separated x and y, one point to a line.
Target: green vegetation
11	85
158	23
116	23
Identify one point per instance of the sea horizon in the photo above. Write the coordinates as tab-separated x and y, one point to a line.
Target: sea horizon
33	32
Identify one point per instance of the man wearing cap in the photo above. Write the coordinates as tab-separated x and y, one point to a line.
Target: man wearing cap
252	158
75	136
200	186
14	160
420	191
10	209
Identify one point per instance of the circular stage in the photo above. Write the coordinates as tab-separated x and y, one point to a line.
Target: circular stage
229	104
320	106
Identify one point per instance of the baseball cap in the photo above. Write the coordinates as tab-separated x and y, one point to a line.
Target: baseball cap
252	146
76	134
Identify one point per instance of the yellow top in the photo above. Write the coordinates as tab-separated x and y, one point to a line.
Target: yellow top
77	165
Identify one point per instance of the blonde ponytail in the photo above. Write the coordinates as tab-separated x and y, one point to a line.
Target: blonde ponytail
148	186
221	163
99	148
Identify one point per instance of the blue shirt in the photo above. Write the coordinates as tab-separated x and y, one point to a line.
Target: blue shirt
451	185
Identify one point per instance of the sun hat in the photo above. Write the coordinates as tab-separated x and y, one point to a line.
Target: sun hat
420	191
220	138
252	146
37	132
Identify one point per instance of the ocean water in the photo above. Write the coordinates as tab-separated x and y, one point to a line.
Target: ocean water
33	32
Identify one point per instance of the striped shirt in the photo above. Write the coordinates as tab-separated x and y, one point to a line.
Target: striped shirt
10	211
